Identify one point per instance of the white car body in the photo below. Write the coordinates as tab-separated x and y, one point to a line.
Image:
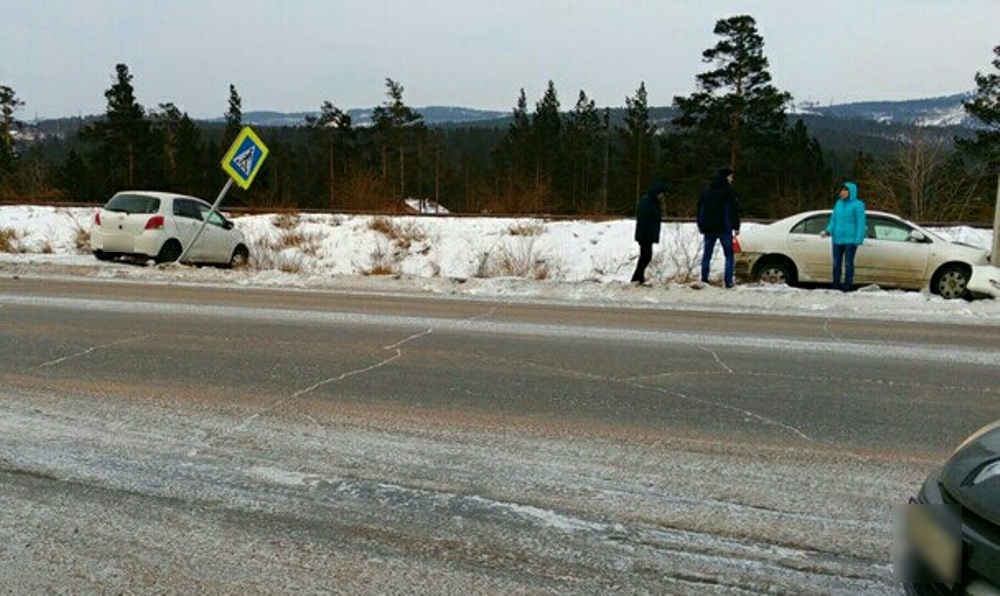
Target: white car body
896	253
160	226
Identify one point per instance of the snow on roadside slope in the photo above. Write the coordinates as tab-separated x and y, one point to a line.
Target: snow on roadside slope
510	259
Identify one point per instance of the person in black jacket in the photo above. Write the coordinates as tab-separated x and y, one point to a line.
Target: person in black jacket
647	228
719	219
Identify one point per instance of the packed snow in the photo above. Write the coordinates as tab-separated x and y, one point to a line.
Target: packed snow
511	259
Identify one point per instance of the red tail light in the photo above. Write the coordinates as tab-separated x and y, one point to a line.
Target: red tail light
97	217
736	244
155	222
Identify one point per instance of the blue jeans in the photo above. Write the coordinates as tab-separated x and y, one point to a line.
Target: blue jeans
726	240
845	253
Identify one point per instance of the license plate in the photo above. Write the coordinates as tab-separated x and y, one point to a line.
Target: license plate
939	546
119	243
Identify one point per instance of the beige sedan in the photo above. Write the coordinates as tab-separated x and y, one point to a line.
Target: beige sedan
896	253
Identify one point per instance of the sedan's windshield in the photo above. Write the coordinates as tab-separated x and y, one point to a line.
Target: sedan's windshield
133	204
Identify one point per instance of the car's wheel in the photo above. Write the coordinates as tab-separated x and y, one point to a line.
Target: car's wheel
102	256
169	252
240	258
775	270
951	281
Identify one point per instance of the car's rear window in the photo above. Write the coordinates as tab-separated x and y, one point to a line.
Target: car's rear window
133	204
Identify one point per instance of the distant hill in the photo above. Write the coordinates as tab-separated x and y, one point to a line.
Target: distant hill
943	111
433	115
846	129
935	111
946	111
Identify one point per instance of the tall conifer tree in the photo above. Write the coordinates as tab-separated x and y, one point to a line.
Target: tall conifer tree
122	136
637	139
234	117
984	105
9	104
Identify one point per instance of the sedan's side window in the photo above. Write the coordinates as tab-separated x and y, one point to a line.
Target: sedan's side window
214	217
887	229
811	225
217	219
183	208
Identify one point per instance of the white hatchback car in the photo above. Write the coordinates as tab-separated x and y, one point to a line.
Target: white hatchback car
160	226
896	253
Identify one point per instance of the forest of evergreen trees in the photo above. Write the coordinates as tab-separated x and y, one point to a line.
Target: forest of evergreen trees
547	158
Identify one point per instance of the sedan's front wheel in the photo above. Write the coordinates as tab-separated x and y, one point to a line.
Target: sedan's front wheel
952	281
240	258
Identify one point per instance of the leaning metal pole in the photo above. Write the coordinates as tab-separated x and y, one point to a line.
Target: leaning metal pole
995	256
204	222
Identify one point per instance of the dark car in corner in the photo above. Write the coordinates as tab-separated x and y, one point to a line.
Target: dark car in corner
952	527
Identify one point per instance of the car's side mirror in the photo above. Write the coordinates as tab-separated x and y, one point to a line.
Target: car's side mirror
917	236
227	224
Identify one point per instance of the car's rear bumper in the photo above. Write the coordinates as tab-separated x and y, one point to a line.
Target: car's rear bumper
126	244
744	265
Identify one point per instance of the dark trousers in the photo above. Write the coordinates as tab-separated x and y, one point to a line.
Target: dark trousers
726	240
843	255
645	256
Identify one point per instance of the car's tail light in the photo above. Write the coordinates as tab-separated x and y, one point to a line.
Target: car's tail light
97	217
736	244
155	222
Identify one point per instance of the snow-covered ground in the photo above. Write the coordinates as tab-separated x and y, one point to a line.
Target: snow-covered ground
509	259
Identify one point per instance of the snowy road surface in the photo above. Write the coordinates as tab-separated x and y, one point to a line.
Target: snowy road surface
276	442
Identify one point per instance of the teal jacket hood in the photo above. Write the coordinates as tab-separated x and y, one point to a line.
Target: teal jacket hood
852	190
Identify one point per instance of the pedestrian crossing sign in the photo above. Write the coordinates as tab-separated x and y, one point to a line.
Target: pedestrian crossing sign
244	158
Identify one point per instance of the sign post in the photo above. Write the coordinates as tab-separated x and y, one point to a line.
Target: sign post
995	256
241	162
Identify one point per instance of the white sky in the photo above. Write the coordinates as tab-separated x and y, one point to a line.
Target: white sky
59	55
584	262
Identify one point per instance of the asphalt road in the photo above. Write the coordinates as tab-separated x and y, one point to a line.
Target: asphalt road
169	438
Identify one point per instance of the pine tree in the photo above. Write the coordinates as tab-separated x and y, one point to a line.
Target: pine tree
333	126
546	129
583	129
637	140
9	103
398	126
807	174
234	117
519	140
165	125
179	145
736	118
513	162
122	136
985	107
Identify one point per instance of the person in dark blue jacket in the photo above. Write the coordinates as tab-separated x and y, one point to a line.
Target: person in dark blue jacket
719	220
847	230
648	214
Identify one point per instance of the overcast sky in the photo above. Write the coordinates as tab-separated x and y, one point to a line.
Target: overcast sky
292	55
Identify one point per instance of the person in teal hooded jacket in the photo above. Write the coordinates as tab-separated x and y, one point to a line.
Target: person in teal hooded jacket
847	230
